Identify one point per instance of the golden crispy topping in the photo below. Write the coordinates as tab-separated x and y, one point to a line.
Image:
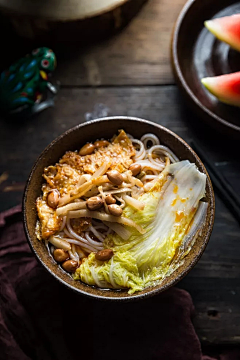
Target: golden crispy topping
119	152
66	178
61	177
49	221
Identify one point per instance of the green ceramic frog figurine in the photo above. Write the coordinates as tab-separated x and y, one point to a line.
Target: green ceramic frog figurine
24	87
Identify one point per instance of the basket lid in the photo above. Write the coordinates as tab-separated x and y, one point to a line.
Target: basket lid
60	9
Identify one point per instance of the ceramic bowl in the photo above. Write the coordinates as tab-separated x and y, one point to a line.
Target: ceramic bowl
75	138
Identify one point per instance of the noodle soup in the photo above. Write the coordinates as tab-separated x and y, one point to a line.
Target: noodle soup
121	213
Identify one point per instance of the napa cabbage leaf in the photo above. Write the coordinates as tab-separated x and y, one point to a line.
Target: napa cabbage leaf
145	259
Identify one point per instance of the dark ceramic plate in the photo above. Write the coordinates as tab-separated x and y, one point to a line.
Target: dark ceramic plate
196	53
75	138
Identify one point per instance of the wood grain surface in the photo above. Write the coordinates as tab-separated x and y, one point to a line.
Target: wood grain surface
130	73
138	55
214	283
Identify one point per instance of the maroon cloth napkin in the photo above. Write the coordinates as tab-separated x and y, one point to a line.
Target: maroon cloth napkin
42	320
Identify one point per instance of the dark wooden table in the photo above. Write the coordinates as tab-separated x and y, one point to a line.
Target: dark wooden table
131	74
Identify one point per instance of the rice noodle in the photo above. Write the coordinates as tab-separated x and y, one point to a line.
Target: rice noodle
156	161
81	239
160	149
96	233
146	164
150	137
67	232
140	154
83	245
73	233
97	245
72	241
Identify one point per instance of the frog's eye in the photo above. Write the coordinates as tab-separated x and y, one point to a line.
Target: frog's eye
45	63
35	52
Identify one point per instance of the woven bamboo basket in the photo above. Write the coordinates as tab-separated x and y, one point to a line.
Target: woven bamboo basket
68	20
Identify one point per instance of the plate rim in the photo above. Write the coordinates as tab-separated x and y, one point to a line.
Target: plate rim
182	83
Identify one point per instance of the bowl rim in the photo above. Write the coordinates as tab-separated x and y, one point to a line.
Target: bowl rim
156	289
179	74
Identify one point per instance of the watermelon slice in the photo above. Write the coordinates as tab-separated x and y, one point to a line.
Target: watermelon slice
226	29
225	87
